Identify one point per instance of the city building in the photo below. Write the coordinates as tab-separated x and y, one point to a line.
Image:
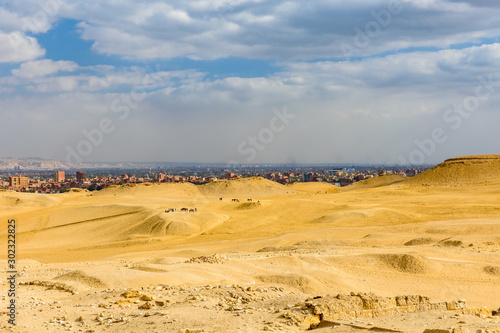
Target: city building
18	182
159	177
81	176
59	176
307	177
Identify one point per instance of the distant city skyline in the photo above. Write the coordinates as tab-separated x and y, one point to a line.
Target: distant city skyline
59	181
9	165
250	82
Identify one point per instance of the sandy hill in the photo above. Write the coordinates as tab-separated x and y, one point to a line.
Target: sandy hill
173	224
245	188
89	224
466	170
9	199
157	190
374	182
314	187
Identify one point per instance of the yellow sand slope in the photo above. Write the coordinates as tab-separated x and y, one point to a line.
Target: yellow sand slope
314	187
245	188
178	223
467	170
374	182
157	190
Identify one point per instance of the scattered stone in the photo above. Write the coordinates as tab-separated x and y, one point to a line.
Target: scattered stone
213	259
51	286
131	294
146	306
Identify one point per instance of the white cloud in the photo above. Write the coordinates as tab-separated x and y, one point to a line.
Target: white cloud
57	84
275	29
279	29
9	21
44	67
30	15
365	111
17	47
432	69
54	76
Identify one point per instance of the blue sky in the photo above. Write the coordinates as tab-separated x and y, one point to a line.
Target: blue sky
249	81
63	42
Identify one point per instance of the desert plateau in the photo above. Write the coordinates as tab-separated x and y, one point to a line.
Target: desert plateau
388	254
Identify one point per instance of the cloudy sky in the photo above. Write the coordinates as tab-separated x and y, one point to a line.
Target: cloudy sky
250	81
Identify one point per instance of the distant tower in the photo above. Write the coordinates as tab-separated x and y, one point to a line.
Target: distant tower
307	177
59	176
81	176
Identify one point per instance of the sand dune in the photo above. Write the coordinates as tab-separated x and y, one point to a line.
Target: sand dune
314	187
255	187
335	217
88	214
374	182
255	258
10	201
80	277
363	217
25	200
156	190
407	263
173	224
467	170
421	241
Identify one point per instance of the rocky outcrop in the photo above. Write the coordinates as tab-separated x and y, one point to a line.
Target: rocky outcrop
320	311
370	306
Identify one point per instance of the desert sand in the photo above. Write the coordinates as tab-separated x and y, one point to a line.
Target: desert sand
115	261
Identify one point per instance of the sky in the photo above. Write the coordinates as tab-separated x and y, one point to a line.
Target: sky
404	82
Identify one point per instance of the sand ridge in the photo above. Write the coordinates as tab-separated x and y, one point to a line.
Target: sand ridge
380	181
243	188
460	171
